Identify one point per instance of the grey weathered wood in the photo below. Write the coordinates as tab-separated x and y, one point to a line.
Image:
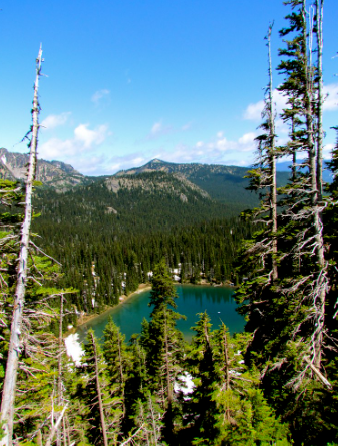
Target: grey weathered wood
8	394
273	188
98	392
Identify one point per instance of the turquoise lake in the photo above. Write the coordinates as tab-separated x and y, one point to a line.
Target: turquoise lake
217	301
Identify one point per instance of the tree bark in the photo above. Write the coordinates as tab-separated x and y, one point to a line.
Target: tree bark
227	374
8	395
273	189
319	32
59	390
99	397
121	372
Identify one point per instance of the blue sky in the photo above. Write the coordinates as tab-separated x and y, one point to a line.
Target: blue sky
129	81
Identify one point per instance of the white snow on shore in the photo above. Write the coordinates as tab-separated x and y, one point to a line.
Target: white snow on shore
73	347
184	384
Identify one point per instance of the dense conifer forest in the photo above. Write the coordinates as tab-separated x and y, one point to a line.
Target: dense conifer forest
274	384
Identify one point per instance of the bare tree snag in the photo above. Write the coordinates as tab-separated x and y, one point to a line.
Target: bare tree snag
319	32
55	427
59	381
273	188
227	371
99	396
8	395
121	372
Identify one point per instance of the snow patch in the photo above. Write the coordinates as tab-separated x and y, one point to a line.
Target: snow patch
3	159
184	384
74	348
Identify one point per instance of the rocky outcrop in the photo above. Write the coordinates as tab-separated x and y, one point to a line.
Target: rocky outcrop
13	166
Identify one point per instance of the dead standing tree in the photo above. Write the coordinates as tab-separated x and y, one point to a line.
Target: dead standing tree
263	179
306	209
8	394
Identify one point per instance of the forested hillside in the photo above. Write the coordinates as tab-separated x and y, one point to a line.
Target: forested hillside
226	184
125	226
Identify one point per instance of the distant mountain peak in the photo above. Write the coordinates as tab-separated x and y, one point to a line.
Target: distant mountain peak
13	166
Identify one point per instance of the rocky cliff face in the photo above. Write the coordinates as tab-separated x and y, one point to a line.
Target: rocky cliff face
151	181
13	166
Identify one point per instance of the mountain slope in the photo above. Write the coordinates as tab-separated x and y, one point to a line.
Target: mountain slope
223	183
152	201
59	175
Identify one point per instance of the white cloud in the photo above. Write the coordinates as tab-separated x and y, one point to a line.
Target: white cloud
219	150
157	130
84	140
327	151
254	110
89	137
98	95
109	165
186	126
331	93
53	121
247	138
138	160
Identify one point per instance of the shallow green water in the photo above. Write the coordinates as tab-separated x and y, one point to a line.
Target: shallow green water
217	301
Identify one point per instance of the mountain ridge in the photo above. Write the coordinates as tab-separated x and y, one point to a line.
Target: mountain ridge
56	174
225	184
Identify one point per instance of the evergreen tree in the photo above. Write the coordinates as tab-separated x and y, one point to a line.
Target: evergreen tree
100	410
293	333
163	344
115	354
202	407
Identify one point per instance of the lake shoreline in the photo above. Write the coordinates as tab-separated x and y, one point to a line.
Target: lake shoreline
193	300
143	287
85	318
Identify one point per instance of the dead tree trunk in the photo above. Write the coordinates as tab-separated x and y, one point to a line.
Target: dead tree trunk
121	372
227	370
8	395
59	382
273	188
320	285
99	396
319	32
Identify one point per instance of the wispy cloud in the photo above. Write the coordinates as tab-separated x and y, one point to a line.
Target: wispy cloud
331	100
108	165
53	121
253	111
99	95
127	76
157	130
186	126
84	140
218	150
